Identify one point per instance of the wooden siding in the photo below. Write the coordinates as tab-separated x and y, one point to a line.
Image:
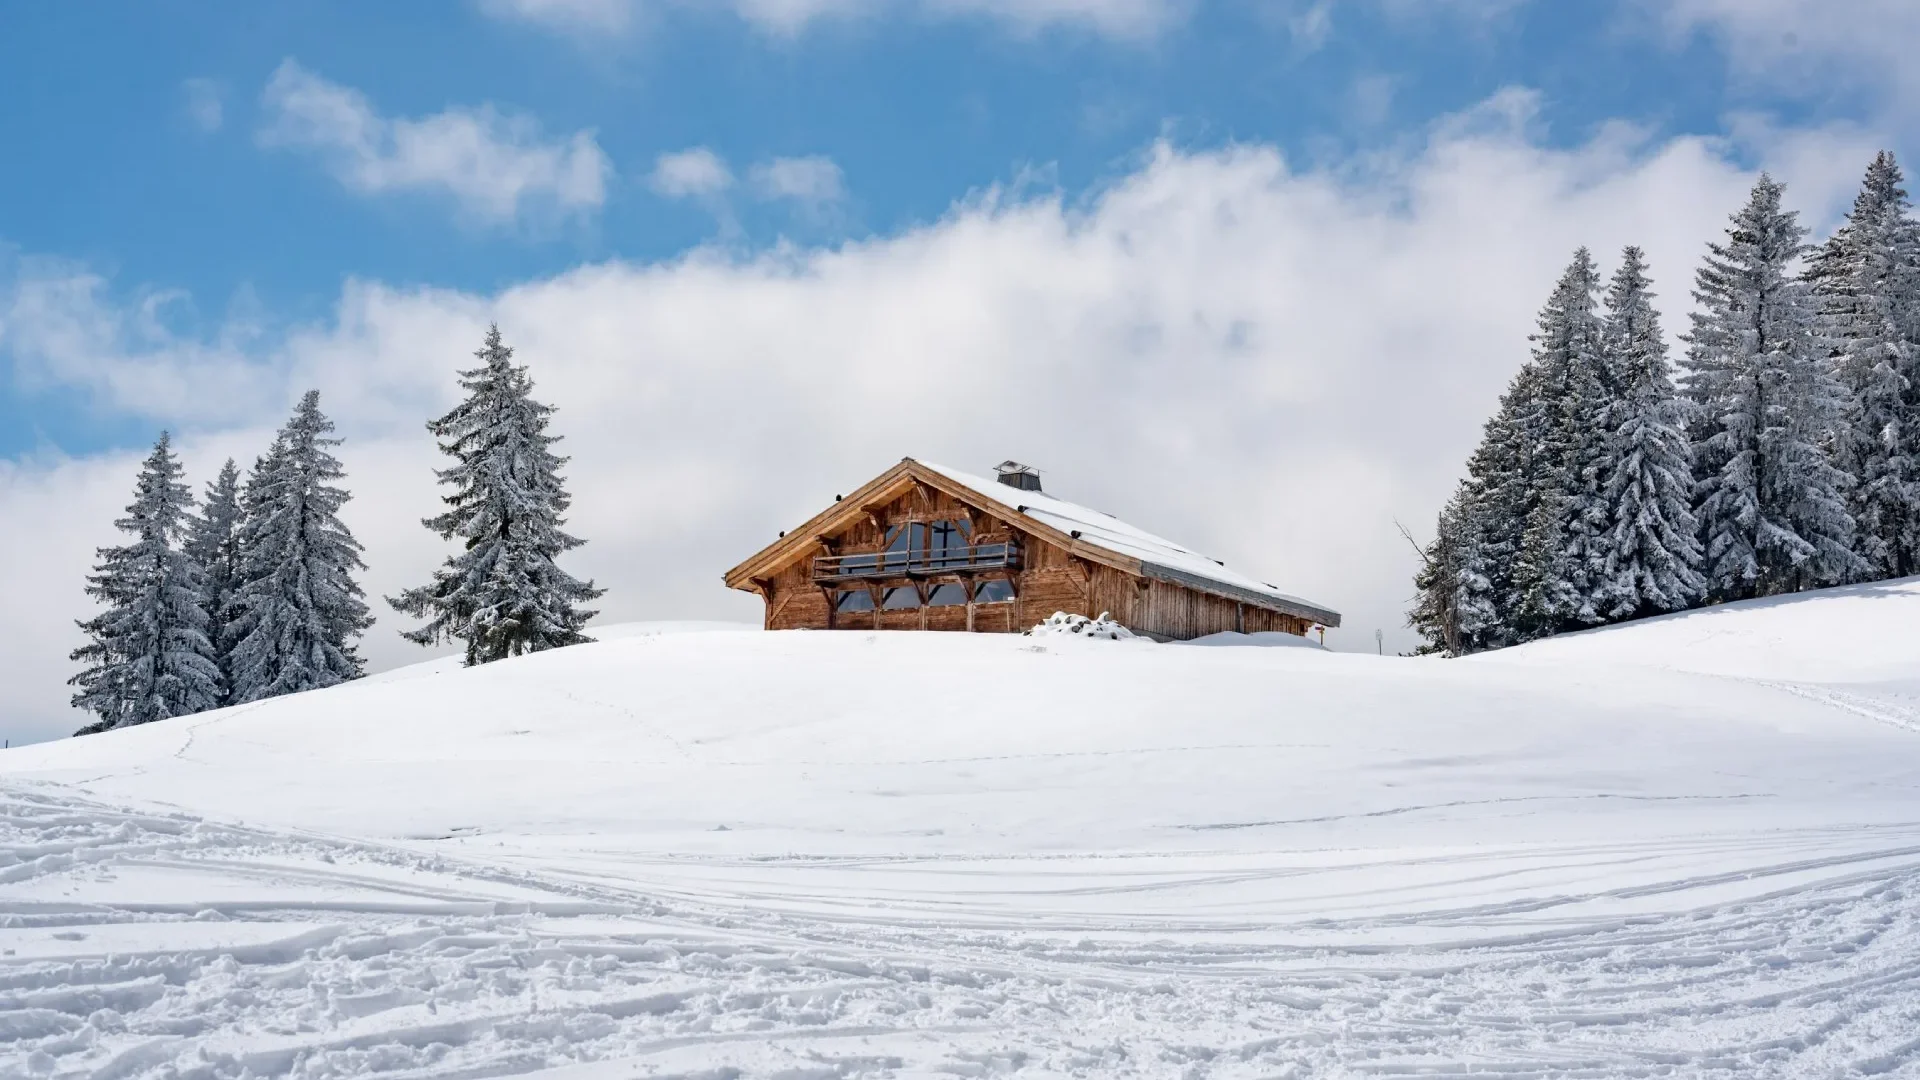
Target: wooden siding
1051	578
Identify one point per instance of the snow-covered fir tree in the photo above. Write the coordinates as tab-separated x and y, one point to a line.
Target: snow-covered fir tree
1453	607
1773	513
1867	280
1652	550
501	594
148	657
1559	569
213	542
1467	586
1493	510
297	609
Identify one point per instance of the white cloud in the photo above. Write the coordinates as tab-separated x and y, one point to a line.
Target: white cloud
61	329
1271	365
493	165
694	173
812	180
205	104
1129	19
1813	46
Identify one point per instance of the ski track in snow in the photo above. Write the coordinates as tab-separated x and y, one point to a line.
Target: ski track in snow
427	966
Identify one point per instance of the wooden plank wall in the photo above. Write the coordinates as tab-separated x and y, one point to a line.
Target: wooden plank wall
1051	580
1173	611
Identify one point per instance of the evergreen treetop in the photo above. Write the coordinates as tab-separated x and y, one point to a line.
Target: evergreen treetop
502	594
148	657
1773	512
213	542
1867	281
1652	551
297	609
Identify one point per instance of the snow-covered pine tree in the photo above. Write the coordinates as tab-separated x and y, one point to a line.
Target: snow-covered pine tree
1559	569
1453	600
297	609
502	594
213	542
148	657
1466	594
1868	288
1773	514
1652	549
1499	499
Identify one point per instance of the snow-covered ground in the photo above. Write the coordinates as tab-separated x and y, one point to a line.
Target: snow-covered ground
1688	847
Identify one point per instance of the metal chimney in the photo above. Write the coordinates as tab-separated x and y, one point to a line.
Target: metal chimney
1015	475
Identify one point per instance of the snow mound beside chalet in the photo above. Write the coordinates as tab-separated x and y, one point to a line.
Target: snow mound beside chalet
1063	624
898	743
1853	634
731	852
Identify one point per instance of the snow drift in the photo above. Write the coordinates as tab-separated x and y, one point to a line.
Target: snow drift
1599	849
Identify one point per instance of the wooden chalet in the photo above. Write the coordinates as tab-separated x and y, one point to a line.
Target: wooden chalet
924	547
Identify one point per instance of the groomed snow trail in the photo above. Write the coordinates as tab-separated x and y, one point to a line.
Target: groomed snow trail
159	945
1687	847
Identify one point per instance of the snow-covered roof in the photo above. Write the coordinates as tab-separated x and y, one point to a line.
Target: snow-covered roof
1158	557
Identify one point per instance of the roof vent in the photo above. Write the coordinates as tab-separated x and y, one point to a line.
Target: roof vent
1013	474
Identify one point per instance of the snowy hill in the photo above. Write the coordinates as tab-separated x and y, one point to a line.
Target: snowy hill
1691	842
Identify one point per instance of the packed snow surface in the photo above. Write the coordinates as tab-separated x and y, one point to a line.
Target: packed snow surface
1687	847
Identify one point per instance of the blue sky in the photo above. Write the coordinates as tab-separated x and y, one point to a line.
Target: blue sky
139	151
1246	273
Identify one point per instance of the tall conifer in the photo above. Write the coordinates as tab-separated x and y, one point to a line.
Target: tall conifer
1773	509
147	657
1652	550
1868	288
213	542
1560	562
502	594
297	610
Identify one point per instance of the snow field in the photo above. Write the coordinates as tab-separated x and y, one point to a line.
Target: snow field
833	855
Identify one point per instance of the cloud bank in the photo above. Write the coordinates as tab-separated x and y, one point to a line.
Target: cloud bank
1813	47
1269	364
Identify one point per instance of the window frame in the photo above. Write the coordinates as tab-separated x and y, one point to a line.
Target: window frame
983	583
942	587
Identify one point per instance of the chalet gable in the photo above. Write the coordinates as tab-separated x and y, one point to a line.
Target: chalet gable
1024	514
868	502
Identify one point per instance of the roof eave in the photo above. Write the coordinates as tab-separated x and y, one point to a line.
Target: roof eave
1323	616
773	556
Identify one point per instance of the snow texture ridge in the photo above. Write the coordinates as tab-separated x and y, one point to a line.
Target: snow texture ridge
1687	847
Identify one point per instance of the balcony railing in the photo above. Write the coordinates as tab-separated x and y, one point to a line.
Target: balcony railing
885	564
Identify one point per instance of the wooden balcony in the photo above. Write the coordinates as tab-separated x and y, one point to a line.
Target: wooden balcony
873	565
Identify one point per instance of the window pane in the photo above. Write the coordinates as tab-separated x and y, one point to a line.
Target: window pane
947	595
897	538
946	535
992	591
896	599
859	600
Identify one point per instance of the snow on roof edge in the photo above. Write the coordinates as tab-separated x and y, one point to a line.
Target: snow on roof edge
1159	557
